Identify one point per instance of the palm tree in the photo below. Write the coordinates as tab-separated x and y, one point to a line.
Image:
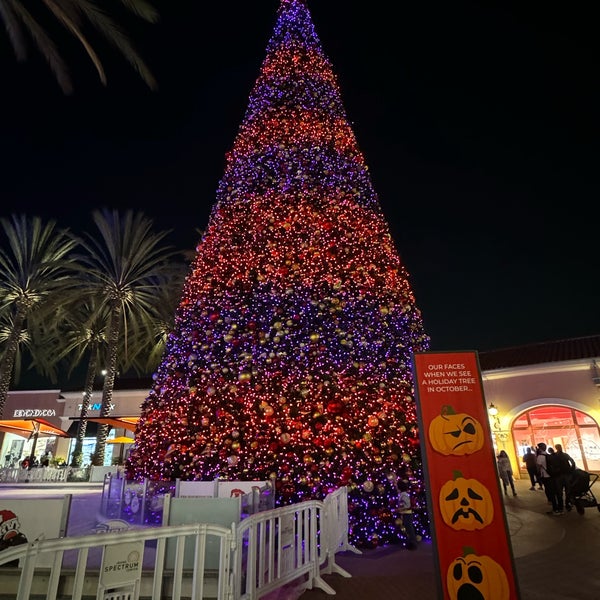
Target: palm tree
123	270
77	334
34	279
74	16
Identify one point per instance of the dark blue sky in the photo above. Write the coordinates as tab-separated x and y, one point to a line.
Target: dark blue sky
479	123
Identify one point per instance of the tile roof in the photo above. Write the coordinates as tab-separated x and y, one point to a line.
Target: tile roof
504	358
542	352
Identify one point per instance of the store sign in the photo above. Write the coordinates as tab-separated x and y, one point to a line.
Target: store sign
96	406
33	413
469	526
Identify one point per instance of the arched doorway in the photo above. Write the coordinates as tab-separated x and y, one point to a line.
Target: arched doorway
577	432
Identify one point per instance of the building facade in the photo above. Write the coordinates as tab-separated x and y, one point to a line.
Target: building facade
547	392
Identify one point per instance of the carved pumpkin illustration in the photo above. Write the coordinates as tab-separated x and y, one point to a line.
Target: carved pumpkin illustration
476	578
455	433
465	503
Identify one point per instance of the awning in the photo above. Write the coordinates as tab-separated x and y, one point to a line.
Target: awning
129	423
125	422
91	429
122	439
29	427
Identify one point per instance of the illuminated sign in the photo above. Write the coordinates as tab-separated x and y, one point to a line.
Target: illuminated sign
95	406
32	413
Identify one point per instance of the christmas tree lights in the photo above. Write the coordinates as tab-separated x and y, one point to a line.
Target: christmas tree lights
290	359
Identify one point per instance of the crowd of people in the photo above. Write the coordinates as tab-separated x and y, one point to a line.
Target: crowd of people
31	462
550	469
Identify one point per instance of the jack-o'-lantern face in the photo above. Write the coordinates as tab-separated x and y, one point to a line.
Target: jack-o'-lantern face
455	433
465	503
473	577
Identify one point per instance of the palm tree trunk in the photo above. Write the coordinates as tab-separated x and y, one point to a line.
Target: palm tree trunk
109	382
8	358
77	456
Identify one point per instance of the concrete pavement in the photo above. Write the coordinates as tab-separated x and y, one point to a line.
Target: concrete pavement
556	558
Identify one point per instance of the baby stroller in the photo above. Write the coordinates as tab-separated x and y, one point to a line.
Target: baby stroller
580	490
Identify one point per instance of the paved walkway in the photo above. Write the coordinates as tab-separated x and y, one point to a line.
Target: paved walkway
556	558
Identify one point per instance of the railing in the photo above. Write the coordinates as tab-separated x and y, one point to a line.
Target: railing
49	474
280	546
143	502
263	552
35	474
335	507
78	569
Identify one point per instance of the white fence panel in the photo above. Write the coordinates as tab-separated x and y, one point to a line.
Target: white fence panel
195	489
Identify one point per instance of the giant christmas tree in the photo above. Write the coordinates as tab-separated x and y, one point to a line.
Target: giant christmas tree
291	354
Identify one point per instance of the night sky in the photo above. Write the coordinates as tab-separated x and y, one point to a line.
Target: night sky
479	123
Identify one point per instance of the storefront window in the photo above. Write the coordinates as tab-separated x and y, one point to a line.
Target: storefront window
577	432
583	419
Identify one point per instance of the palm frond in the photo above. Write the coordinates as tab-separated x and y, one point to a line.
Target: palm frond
114	34
14	30
71	24
38	261
142	9
73	15
46	47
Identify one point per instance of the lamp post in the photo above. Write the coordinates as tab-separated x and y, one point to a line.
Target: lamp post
493	412
497	432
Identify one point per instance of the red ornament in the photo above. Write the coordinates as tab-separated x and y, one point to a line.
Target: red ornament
373	421
335	407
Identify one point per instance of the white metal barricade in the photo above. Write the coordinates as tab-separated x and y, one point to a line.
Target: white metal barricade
75	564
262	553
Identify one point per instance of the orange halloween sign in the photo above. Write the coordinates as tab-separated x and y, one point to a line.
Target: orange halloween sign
463	489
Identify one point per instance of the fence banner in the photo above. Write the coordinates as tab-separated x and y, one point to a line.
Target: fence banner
469	526
122	564
24	520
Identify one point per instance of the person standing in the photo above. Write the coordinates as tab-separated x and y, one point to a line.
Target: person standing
547	482
505	472
530	460
406	513
45	462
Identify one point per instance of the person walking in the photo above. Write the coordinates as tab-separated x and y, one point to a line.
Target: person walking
530	460
406	513
564	466
505	472
547	481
